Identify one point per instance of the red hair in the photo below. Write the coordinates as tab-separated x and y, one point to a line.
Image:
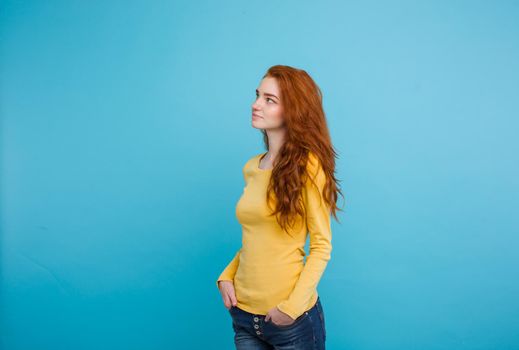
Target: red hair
307	149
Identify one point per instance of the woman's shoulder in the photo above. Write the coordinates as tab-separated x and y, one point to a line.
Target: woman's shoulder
313	164
252	160
315	169
250	165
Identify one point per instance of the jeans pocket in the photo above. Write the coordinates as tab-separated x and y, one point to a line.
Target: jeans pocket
297	321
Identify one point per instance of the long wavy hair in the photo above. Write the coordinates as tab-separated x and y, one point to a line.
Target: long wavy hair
307	135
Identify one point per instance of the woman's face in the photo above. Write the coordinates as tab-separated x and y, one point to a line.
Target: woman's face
267	109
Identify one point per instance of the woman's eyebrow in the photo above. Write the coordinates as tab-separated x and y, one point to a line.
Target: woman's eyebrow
267	94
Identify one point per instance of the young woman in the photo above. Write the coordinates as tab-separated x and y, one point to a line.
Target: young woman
290	193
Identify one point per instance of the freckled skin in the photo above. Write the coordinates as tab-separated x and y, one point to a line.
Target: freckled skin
268	107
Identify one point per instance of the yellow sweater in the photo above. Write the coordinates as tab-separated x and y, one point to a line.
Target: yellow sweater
268	269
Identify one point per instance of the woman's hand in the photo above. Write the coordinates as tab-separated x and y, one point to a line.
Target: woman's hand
278	317
228	294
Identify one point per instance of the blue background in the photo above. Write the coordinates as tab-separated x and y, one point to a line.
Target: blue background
125	125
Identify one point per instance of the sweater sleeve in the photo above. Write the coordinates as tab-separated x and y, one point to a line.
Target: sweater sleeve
230	270
318	221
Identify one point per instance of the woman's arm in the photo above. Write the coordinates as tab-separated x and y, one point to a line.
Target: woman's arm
230	270
318	217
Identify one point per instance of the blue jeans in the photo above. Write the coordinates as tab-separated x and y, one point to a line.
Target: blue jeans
251	332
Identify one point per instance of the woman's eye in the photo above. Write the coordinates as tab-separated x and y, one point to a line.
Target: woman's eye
268	98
